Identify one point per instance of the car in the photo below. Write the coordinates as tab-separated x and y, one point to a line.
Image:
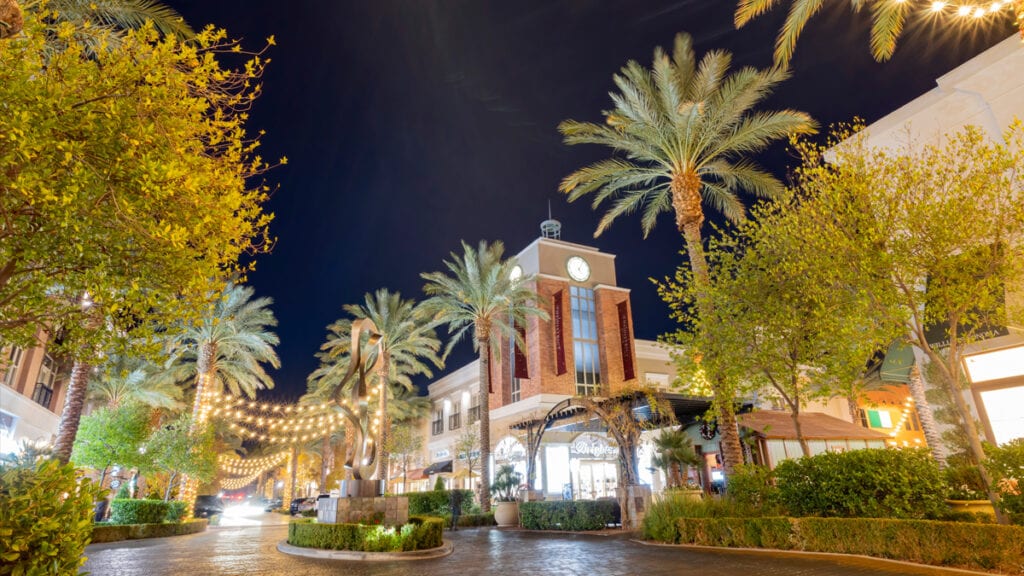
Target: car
269	505
207	506
300	505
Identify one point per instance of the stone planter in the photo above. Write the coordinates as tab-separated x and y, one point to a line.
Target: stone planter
972	506
506	513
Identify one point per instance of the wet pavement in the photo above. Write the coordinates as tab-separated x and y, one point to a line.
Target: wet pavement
251	551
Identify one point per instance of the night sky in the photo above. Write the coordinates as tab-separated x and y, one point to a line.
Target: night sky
410	125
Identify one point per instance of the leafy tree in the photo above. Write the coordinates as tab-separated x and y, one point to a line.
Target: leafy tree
478	293
466	444
682	131
405	443
172	449
887	20
938	229
112	436
788	315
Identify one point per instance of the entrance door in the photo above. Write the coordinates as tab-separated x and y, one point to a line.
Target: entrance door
598	479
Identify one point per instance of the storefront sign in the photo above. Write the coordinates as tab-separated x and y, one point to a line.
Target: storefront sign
556	316
593	445
627	345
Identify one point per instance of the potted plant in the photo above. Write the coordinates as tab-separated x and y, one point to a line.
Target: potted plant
674	453
966	491
503	491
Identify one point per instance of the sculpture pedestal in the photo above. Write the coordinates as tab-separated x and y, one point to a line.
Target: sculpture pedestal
387	510
634	501
362	488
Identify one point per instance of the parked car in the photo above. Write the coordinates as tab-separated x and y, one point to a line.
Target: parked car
207	506
300	505
272	504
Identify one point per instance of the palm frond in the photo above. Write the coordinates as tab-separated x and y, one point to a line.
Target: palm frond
887	20
800	12
747	10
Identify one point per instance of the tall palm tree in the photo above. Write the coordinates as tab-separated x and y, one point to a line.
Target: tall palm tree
887	20
408	347
681	131
105	16
478	293
226	350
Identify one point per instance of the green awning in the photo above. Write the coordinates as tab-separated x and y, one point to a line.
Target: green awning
897	364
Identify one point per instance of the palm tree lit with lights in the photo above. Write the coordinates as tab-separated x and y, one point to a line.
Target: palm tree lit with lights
681	131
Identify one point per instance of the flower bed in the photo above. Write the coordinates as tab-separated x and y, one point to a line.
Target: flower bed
421	533
976	546
116	532
568	515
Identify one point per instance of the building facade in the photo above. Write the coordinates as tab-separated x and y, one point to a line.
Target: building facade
31	395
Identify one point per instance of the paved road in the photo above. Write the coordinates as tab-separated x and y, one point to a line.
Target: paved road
250	551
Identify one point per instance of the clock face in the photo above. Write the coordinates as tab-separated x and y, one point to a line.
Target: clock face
516	273
578	269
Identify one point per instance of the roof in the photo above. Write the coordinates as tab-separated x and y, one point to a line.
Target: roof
815	426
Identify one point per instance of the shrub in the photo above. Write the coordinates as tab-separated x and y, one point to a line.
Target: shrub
1006	465
439	484
127	511
568	515
879	483
45	517
175	511
420	533
770	532
117	532
435	502
660	520
963	482
751	485
473	520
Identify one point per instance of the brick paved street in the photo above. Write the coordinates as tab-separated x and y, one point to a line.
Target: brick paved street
251	551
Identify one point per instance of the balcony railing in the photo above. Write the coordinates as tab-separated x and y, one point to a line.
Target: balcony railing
454	421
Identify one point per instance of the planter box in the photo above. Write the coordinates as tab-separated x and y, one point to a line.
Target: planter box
972	506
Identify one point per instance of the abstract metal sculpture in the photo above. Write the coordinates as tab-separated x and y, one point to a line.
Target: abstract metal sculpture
359	405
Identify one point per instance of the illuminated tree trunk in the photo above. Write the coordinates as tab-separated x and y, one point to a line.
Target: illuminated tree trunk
383	421
483	336
71	414
205	366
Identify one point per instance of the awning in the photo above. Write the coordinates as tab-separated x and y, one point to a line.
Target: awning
438	468
814	425
897	364
411	475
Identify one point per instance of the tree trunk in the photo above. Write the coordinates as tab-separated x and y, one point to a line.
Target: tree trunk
170	482
294	468
686	201
325	455
205	365
484	344
794	413
924	414
384	422
71	414
854	408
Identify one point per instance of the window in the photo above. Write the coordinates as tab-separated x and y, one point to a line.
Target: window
10	365
584	332
43	393
474	409
437	426
455	418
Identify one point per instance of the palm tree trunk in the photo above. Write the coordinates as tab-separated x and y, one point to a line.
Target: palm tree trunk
924	414
325	456
204	367
854	408
71	414
484	346
294	469
385	422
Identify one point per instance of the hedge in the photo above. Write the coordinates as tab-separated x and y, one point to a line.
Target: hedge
473	520
421	533
129	511
116	532
955	544
435	502
568	515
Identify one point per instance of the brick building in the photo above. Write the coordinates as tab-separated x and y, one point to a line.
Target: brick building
32	387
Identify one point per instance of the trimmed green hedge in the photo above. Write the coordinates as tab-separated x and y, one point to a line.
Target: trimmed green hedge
129	511
568	515
116	532
435	502
974	546
473	520
421	533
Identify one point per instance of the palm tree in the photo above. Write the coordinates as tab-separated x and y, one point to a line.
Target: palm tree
133	380
887	20
226	349
681	130
479	293
109	17
674	450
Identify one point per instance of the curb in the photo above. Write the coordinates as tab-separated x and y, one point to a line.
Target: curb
444	550
815	554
